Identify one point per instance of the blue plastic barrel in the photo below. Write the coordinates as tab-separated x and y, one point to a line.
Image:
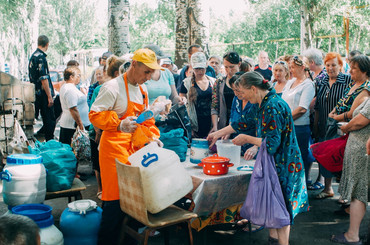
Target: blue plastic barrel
80	223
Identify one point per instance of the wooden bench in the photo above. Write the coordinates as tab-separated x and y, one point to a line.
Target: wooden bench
75	191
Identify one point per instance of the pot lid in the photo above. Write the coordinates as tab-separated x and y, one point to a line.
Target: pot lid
215	159
82	206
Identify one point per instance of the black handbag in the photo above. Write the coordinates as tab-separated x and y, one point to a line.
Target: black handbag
331	129
177	118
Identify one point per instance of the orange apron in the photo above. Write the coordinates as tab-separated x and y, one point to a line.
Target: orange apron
116	144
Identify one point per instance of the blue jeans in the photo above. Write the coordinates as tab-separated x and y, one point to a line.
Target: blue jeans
303	134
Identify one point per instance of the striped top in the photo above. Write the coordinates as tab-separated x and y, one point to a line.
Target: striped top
328	97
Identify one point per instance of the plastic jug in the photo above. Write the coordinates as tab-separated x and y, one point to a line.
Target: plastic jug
41	214
80	223
164	178
24	179
226	148
199	150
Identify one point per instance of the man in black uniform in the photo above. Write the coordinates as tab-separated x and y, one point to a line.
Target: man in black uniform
39	75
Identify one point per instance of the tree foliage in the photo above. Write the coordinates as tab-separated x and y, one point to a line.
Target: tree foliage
274	26
150	24
70	25
271	25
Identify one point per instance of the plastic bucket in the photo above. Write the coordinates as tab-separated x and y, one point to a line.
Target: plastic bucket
225	148
199	150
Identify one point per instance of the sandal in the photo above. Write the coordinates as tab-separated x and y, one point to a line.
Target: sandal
342	201
316	186
243	225
98	195
340	238
240	224
323	195
255	228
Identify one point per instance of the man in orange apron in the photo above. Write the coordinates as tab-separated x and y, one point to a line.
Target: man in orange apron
119	102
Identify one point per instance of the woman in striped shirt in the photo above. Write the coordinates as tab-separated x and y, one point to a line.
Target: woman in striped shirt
329	91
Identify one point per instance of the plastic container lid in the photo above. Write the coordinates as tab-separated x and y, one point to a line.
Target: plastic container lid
34	211
199	142
45	222
24	159
82	206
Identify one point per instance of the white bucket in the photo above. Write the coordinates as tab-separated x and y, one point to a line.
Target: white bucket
225	148
164	178
24	179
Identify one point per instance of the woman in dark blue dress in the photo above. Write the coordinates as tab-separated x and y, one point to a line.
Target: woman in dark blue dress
275	124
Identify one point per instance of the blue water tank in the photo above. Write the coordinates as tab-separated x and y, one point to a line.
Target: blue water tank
80	223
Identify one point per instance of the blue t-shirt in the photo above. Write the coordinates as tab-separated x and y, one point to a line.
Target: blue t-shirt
162	87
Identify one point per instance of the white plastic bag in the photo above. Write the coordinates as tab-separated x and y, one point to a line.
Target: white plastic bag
18	143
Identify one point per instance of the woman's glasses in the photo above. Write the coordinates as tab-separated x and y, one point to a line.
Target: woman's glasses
280	62
297	61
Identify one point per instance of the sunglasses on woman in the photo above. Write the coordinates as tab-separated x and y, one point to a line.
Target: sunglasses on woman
297	61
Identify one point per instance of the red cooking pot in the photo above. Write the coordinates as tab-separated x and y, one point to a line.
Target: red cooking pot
215	165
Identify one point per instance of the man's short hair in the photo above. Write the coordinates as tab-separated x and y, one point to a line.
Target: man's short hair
315	55
190	49
18	229
42	41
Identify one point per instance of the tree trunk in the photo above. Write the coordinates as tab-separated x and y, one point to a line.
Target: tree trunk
182	35
118	27
306	27
34	24
337	45
190	28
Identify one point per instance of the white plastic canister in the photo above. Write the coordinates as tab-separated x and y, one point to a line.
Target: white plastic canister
165	180
24	179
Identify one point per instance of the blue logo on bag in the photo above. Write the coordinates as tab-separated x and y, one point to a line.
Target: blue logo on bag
149	159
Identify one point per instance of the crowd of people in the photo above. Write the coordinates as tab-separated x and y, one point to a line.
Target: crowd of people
287	102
